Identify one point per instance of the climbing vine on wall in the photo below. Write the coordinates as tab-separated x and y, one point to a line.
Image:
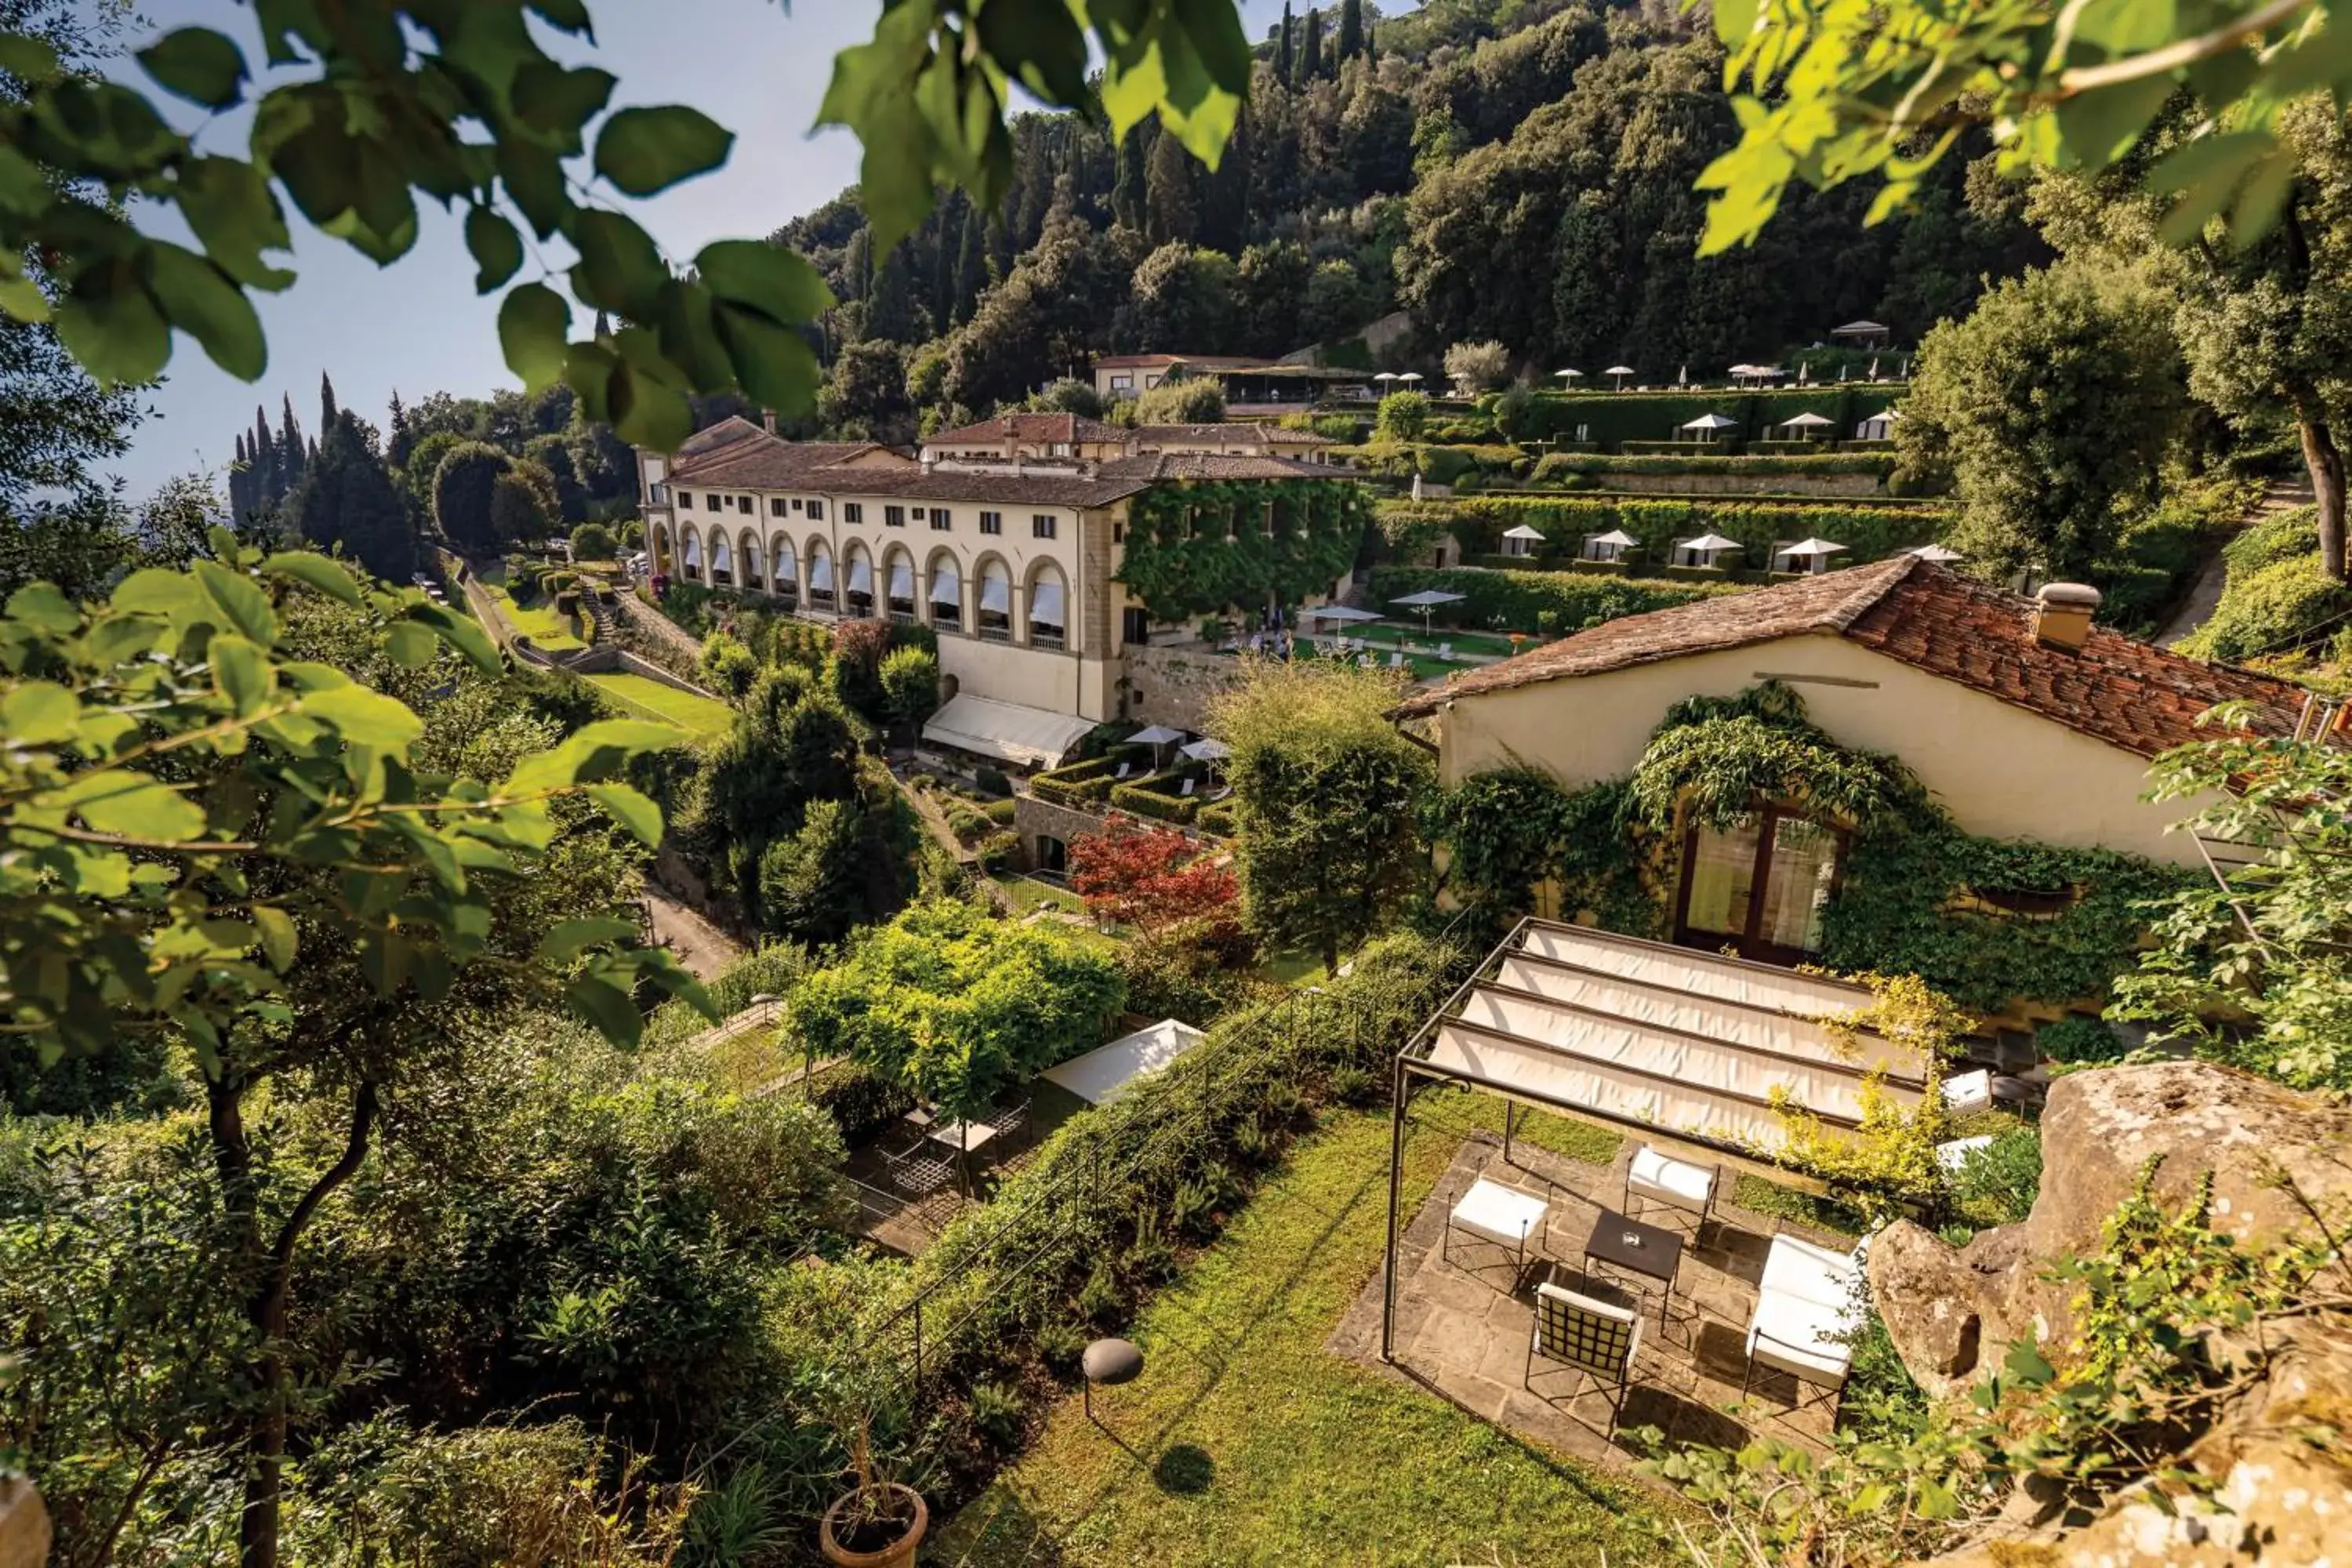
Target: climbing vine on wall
1196	547
1985	920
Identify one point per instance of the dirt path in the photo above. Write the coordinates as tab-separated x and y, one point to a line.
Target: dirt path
2280	495
703	948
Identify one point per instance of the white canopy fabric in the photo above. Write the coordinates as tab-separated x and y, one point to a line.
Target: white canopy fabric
947	588
1386	375
1619	370
1936	553
1106	1072
787	564
1568	373
1616	536
1812	547
902	580
1343	613
1045	603
1805	421
1858	327
1207	751
1686	1041
1157	735
1708	543
1523	532
861	576
1429	596
1709	422
995	592
820	574
1409	375
1033	737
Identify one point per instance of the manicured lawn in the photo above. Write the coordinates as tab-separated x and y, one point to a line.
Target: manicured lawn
1253	1446
540	623
1029	895
698	716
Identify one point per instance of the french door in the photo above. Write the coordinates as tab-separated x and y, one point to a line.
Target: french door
1759	887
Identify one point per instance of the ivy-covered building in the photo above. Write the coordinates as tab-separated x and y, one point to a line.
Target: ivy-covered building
1889	768
1038	575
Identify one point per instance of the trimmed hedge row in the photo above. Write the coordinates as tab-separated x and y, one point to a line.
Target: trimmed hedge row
1555	463
1440	464
1512	601
1152	804
1615	417
1868	531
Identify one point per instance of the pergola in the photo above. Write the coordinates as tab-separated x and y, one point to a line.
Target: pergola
1673	1044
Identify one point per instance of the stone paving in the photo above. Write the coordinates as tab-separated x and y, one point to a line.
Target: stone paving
1462	1331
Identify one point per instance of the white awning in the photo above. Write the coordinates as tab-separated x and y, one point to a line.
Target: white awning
820	574
786	564
995	593
1033	737
1045	603
902	580
1106	1072
1616	536
861	577
1523	532
947	588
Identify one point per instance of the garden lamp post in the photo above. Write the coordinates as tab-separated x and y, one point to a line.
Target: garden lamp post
1110	1362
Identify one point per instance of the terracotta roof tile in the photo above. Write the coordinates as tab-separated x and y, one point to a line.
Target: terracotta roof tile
1046	427
2116	688
726	456
1212	466
1239	432
1036	486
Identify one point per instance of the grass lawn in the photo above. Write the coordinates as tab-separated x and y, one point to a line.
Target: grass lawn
1029	895
541	623
1253	1446
698	716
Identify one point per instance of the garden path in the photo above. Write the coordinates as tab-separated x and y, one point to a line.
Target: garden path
2278	496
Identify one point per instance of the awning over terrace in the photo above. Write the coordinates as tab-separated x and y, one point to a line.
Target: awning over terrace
1106	1072
1032	737
1690	1044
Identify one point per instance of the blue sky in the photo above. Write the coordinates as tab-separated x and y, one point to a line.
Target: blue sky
418	326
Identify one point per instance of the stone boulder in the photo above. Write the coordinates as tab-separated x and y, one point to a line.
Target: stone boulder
1952	1312
24	1525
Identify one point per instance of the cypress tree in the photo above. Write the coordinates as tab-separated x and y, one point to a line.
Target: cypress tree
972	264
262	453
1310	58
326	402
1371	49
1351	30
346	497
293	452
1282	62
239	478
401	443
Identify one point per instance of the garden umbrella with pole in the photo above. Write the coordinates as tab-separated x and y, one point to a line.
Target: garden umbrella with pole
1427	600
1155	737
1385	375
1410	376
1815	550
1621	371
1935	553
1567	375
1209	751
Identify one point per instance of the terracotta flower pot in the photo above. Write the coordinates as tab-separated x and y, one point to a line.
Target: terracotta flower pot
899	1553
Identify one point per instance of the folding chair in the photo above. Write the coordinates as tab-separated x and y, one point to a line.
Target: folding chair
1591	1339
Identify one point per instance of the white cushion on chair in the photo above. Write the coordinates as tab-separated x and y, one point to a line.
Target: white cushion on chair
1951	1156
1969	1092
1804	1338
1674	1181
1505	1213
1801	1270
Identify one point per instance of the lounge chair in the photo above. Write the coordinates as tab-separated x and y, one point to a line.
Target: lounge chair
1503	1215
1124	769
1590	1338
1219	794
1676	1184
1807	1308
1187	791
1445	651
1396	661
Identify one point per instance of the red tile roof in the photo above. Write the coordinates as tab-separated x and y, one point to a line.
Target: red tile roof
737	454
1147	362
2115	688
1033	427
1241	433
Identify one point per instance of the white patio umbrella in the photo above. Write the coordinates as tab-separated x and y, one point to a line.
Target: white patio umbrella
1343	613
1807	420
1427	600
1155	737
1409	375
1814	550
1621	371
1207	751
1524	531
1935	553
1682	376
1568	375
1707	425
1385	375
1615	539
1708	544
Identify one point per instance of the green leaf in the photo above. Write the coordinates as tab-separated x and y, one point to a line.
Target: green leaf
771	279
645	412
461	633
40	607
550	98
236	216
774	363
31	60
569	938
313	570
128	803
364	718
533	324
276	929
21	299
645	151
632	809
239	599
242	671
412	644
198	64
2025	1364
1734	21
596	752
2097	129
2261	197
1038	42
204	303
497	247
533	176
620	267
606	1007
571	16
2206	171
112	327
40	713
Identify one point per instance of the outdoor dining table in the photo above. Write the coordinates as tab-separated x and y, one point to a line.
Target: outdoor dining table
1647	1249
963	1137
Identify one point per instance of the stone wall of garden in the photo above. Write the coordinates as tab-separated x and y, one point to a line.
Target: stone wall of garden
663	640
1173	686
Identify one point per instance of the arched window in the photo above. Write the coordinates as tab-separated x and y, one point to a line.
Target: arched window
947	593
857	583
721	559
690	542
786	575
752	556
995	602
820	577
662	562
1048	609
898	586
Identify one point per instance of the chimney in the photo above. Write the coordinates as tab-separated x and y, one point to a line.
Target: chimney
2062	614
768	418
931	464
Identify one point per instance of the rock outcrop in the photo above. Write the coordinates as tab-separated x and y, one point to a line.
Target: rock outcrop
1952	1312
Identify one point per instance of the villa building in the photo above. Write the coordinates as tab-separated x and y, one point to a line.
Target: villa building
1011	553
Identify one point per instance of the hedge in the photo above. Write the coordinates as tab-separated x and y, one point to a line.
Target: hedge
1868	531
1510	601
1440	464
1218	819
1615	417
1151	803
1802	463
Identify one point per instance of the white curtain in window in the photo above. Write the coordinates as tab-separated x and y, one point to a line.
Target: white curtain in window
1045	603
996	593
861	576
947	588
787	567
719	553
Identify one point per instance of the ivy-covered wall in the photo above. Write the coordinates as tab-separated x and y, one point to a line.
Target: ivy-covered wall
1199	547
1988	921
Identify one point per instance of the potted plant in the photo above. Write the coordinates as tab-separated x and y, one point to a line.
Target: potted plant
878	1522
851	1386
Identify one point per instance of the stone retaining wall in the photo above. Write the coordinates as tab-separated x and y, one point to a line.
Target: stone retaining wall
1173	686
666	642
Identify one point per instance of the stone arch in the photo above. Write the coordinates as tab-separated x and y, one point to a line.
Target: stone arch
823	587
785	568
899	592
752	558
1046	607
943	593
663	555
993	598
858	589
